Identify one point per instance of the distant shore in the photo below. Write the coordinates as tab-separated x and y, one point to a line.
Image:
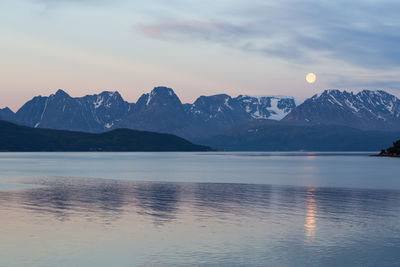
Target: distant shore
393	151
385	154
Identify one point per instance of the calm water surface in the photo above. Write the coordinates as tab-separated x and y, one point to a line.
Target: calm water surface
207	209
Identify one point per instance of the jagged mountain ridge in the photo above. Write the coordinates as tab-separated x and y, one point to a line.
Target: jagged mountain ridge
91	113
160	110
6	114
367	110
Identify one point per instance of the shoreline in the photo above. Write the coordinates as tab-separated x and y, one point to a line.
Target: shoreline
388	155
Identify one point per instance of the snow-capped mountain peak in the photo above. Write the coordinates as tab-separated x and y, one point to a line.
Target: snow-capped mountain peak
366	109
267	107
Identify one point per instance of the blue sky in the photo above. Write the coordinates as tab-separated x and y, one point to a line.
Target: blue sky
196	47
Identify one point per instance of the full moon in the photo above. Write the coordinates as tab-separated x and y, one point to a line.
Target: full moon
311	78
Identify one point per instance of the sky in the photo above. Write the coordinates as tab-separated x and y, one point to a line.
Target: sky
197	48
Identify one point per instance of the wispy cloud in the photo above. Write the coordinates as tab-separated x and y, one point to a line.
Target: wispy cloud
362	33
386	82
194	29
55	3
67	1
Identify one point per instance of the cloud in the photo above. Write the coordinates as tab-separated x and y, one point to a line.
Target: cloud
361	33
66	1
55	3
357	83
359	79
205	30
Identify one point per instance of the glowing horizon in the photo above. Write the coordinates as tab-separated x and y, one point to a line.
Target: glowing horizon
196	48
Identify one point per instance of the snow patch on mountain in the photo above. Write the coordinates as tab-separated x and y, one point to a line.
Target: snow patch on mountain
276	112
149	96
226	103
267	106
98	102
365	109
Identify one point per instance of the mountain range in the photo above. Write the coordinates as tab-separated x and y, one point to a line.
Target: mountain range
160	110
363	119
367	110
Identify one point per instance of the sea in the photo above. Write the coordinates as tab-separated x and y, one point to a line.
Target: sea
199	209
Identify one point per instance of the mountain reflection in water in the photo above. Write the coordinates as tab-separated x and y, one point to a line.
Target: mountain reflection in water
197	223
